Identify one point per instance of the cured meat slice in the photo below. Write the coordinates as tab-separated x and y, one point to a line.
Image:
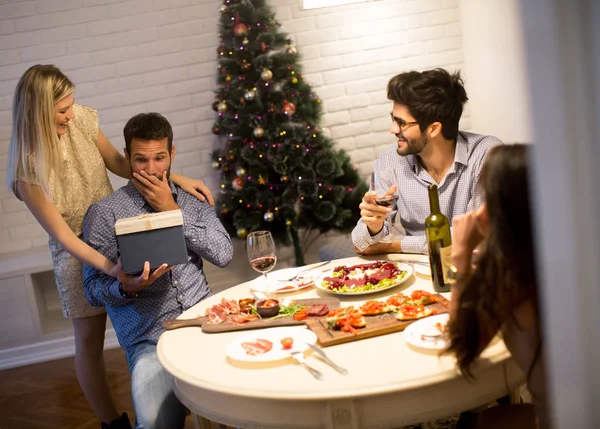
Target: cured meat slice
216	314
258	347
240	319
231	306
317	310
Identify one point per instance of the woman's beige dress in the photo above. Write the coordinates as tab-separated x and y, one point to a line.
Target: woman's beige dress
82	181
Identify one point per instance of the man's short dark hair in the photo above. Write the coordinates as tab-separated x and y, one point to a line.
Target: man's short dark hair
148	126
431	96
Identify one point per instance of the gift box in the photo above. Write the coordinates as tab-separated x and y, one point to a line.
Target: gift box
154	237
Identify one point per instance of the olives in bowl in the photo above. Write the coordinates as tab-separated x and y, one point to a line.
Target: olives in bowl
267	307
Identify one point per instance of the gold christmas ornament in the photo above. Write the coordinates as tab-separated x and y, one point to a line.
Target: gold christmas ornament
245	41
266	75
291	50
241	171
284	179
223	8
288	223
259	132
222	107
294	80
269	216
249	95
216	165
242	233
227	78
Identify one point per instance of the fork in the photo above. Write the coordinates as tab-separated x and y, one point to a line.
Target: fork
299	357
294	277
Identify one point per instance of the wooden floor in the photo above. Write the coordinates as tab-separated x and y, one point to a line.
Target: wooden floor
48	396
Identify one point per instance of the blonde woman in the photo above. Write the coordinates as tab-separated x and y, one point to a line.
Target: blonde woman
57	165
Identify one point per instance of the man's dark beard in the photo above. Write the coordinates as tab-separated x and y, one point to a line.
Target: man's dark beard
413	146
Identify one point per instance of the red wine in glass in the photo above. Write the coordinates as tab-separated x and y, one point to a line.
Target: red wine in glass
388	201
261	253
264	264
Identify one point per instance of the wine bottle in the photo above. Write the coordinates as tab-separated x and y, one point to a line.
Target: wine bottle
439	242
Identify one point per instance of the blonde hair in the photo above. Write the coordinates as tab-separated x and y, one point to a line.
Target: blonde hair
34	152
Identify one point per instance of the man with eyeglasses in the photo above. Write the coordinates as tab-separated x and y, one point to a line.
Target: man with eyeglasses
429	149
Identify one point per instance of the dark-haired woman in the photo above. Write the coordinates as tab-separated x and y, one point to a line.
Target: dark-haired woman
500	293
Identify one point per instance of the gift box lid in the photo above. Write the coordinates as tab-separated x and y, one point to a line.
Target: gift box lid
148	222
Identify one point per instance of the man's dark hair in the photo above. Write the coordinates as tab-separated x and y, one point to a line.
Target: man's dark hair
431	96
148	126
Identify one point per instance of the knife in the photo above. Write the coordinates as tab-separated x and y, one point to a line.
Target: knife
327	359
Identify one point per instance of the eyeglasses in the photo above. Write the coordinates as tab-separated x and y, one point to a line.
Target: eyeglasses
402	124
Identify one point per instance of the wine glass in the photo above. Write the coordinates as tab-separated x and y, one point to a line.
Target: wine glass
261	254
387	200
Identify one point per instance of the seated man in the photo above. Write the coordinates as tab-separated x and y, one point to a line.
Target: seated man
430	149
138	305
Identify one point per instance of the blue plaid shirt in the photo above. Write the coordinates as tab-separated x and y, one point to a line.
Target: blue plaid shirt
139	319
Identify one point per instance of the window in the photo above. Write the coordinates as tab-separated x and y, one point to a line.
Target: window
314	4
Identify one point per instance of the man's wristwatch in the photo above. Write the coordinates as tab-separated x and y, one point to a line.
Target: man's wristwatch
127	294
457	276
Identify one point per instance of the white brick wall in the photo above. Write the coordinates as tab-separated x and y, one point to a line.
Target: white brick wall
139	55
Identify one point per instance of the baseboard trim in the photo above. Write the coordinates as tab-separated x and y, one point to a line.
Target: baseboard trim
44	351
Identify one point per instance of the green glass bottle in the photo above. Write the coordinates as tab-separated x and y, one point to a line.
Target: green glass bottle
439	242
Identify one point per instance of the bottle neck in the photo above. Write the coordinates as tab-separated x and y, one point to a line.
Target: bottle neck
434	201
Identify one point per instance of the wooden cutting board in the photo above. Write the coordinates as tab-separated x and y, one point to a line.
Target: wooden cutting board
227	326
376	325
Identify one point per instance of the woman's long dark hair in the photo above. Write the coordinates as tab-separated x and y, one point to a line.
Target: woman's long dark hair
505	274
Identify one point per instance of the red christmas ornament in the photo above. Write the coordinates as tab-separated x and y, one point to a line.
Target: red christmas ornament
240	29
263	46
237	183
289	108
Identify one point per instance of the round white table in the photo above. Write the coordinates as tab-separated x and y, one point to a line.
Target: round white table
389	384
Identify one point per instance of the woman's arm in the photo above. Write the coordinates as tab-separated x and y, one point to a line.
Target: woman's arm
195	187
51	220
113	159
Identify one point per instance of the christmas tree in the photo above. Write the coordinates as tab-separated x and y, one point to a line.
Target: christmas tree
279	172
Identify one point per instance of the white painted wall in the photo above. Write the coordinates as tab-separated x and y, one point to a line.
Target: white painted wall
495	69
129	56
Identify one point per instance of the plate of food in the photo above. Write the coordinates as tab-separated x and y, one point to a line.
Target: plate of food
267	345
428	333
364	278
277	284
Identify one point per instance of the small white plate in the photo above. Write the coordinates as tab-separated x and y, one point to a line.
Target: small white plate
400	265
276	282
424	270
301	335
413	333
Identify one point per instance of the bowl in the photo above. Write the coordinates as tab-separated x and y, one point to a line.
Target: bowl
267	307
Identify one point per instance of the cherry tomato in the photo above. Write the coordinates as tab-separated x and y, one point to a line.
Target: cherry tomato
300	315
287	342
